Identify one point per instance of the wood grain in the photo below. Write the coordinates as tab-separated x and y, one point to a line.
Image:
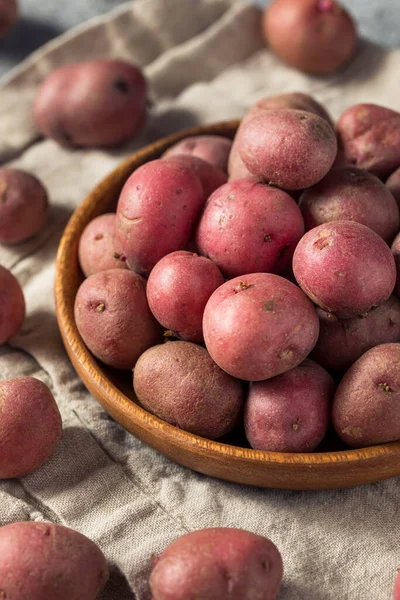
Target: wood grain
113	390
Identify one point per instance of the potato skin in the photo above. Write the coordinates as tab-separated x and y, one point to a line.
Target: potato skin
258	326
30	426
218	564
289	148
249	227
114	319
99	103
211	177
290	412
161	201
12	302
328	268
8	15
396	255
304	34
214	149
43	561
366	407
178	290
98	246
23	206
181	384
393	184
370	137
396	590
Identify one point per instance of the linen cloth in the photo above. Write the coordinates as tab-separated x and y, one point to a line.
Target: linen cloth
205	61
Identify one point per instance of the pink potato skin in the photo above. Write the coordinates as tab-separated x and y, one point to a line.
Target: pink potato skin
345	268
161	201
396	255
12	305
30	426
178	290
214	149
210	177
8	15
23	206
258	326
218	564
370	137
290	412
393	184
98	246
43	561
396	589
98	103
350	194
342	341
249	227
292	149
366	406
114	319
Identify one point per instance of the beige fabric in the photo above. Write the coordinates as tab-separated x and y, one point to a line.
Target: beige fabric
206	62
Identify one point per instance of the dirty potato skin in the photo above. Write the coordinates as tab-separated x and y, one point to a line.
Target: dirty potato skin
8	15
396	255
218	564
211	177
366	407
214	149
12	305
43	561
98	249
181	384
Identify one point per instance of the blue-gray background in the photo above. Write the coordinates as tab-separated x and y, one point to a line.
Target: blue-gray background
42	20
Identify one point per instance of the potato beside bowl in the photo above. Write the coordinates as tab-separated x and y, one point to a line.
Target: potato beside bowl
113	389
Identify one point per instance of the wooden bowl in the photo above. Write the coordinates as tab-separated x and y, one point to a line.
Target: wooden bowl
113	389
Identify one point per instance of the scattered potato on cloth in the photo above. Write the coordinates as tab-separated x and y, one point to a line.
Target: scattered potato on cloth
211	177
8	15
366	407
393	184
98	249
214	149
43	561
345	268
180	383
396	254
12	305
98	103
218	564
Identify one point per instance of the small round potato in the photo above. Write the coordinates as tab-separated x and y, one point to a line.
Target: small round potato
43	561
396	254
290	412
393	184
114	319
214	149
98	250
8	15
218	564
181	384
12	303
211	177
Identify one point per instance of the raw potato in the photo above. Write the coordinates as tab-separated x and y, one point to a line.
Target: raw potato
211	177
97	103
179	383
12	303
214	149
43	561
218	564
8	15
98	249
259	326
291	412
23	206
315	36
30	426
396	254
350	194
396	590
345	268
292	149
366	407
393	184
114	319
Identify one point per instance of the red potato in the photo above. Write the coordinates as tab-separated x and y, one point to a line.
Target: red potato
249	227
211	177
396	255
98	249
258	326
178	290
290	412
12	305
305	33
396	590
43	561
30	426
161	201
393	184
23	206
350	194
214	149
218	564
98	103
292	149
114	319
345	268
370	137
8	15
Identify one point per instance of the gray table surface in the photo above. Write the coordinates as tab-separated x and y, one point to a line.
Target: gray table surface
42	20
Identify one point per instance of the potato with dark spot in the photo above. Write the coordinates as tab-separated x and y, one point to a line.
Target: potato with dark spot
12	305
8	15
43	561
218	564
180	383
211	177
366	407
214	149
290	412
345	268
393	184
98	248
114	319
396	255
